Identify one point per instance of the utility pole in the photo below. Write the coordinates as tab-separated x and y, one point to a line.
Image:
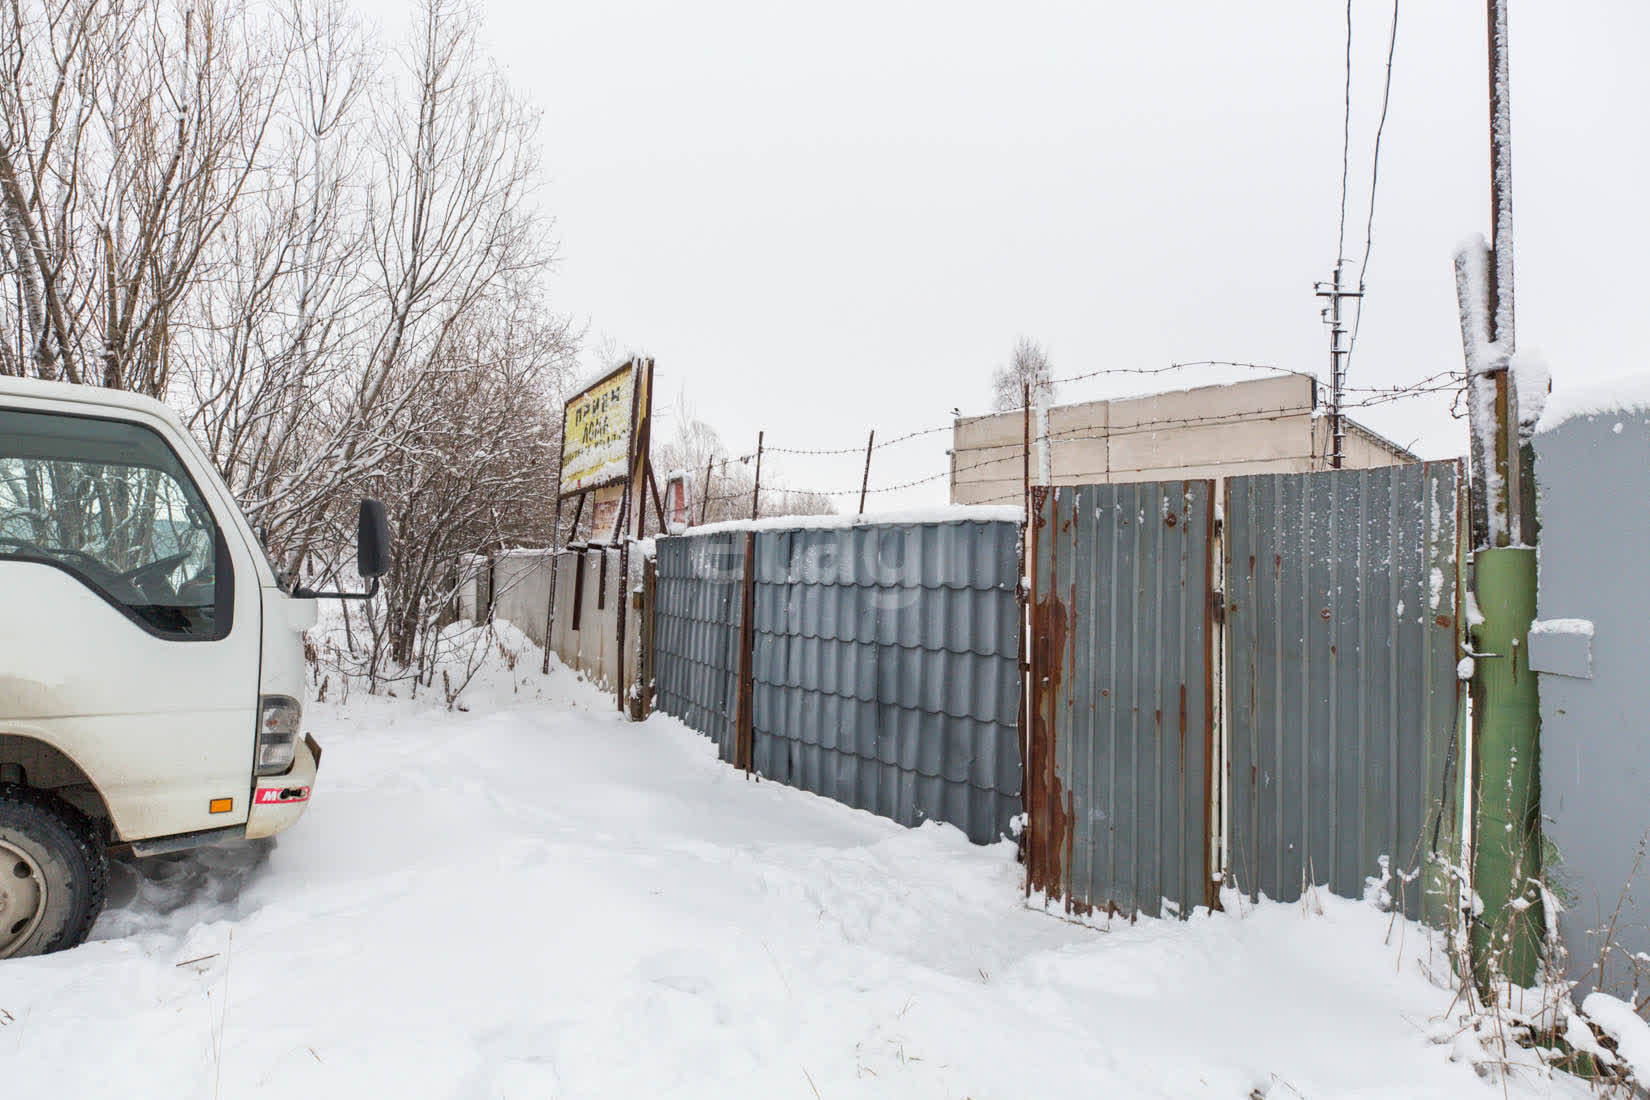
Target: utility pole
1499	280
1025	411
1337	360
1507	933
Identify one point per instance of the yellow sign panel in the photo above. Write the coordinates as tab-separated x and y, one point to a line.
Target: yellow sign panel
595	446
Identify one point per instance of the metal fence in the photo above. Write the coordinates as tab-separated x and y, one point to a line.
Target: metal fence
1118	784
882	662
696	626
1342	619
1588	648
886	669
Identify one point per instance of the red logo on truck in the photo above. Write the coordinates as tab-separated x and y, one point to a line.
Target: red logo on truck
280	796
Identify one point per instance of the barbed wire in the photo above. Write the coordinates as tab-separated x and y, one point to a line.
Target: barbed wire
1444	381
1103	372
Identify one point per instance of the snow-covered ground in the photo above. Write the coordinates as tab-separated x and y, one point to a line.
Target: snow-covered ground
537	899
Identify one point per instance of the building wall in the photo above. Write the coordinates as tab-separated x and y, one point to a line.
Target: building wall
1593	474
1261	426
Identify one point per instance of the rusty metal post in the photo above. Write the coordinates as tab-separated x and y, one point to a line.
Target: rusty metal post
865	485
1046	827
744	718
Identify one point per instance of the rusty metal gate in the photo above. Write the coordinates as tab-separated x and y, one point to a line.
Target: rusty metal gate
1342	619
1118	782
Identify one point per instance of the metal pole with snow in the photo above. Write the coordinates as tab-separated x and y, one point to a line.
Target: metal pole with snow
1506	932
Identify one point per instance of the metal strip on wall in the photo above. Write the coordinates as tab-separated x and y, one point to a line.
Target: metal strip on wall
1342	619
1119	775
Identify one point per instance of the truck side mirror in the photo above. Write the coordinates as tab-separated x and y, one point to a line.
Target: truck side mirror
372	541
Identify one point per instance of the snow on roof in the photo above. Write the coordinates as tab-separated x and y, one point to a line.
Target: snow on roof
1627	393
961	513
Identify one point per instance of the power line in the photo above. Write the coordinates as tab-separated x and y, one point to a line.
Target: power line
1439	382
1346	136
1106	371
1374	182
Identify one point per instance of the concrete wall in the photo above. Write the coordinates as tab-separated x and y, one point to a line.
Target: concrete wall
521	580
1261	426
1593	476
589	641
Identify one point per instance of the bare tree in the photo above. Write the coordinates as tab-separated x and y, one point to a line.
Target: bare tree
1028	366
342	291
482	474
128	133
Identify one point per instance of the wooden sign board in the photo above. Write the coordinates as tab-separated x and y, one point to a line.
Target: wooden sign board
597	431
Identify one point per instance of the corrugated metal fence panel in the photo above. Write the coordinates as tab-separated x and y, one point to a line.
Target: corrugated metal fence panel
886	669
696	632
1342	618
1123	720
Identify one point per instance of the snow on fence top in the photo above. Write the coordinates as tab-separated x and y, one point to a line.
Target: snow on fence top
960	513
1628	393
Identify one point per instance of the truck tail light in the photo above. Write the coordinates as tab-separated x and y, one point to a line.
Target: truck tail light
278	722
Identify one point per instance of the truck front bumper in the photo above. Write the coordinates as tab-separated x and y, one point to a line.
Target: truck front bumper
278	801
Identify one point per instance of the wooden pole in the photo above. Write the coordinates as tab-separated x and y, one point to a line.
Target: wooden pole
550	601
704	505
637	380
658	506
1499	277
756	493
578	513
865	484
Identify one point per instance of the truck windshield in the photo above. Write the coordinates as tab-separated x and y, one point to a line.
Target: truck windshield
110	503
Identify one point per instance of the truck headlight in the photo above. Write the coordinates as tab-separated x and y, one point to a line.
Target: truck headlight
278	725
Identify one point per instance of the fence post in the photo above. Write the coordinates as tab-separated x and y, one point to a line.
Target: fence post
756	493
641	700
744	721
865	485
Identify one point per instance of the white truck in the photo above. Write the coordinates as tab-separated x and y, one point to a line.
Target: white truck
151	657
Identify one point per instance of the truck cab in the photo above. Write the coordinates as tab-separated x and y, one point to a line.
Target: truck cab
152	669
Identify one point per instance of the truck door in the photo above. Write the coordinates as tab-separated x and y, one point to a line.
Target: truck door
130	636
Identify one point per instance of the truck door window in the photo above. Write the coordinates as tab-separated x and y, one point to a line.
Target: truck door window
110	503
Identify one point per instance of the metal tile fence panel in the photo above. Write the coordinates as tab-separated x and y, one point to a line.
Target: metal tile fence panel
886	669
1118	789
696	615
1342	619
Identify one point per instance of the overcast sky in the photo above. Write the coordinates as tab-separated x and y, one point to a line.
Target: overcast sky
822	219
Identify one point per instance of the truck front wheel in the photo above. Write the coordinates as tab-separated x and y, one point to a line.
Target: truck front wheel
53	877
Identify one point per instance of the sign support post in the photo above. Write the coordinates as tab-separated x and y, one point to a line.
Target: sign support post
606	428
